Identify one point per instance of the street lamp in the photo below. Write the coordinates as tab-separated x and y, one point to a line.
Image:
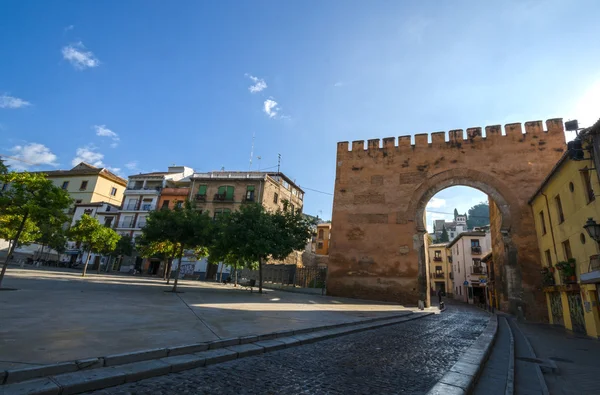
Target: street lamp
593	229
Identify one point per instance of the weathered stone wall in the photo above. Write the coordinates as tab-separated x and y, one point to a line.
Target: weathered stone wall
310	259
377	246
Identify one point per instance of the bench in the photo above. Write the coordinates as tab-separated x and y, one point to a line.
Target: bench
248	284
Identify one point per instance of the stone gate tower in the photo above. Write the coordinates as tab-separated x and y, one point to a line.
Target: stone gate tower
377	245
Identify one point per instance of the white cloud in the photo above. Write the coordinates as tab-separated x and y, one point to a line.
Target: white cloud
33	154
7	101
88	155
270	108
132	165
116	170
103	131
259	84
436	203
77	55
339	84
70	27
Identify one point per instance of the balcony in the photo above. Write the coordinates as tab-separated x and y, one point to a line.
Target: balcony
450	259
476	250
477	270
126	224
437	258
223	198
200	198
451	275
131	206
147	207
438	275
141	224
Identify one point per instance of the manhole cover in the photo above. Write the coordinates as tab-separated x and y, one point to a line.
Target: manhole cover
558	359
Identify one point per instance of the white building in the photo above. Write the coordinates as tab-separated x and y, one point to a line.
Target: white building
140	197
106	214
454	228
470	274
197	268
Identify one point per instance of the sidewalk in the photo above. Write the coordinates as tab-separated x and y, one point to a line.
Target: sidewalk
576	356
57	316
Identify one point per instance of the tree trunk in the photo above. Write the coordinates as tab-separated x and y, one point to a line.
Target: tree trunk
178	270
12	246
87	260
165	268
41	252
98	268
221	274
236	274
260	264
169	268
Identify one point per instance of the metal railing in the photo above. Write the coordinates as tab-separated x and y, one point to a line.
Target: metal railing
131	206
477	270
126	224
223	198
476	250
291	275
437	258
200	198
438	275
147	207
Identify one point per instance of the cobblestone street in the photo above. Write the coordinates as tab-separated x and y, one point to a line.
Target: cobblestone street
407	358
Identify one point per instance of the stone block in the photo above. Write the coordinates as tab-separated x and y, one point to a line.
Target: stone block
465	368
456	379
142	370
136	356
268	336
89	380
89	363
43	386
223	343
217	356
271	345
184	362
445	389
187	349
16	375
289	341
248	339
284	333
246	350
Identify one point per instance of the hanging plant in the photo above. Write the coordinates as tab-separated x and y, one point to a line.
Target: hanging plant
566	268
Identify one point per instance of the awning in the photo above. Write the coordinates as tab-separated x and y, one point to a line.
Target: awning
591	277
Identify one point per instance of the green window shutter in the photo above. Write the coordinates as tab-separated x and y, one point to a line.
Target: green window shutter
229	194
202	190
222	190
250	188
226	211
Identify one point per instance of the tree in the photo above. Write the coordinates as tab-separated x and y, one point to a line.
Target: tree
253	234
93	237
30	196
479	215
163	250
124	247
9	225
52	234
3	167
185	227
444	236
455	214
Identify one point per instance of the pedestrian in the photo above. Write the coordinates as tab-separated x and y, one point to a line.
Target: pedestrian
439	295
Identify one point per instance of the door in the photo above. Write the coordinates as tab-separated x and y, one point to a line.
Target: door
576	312
556	309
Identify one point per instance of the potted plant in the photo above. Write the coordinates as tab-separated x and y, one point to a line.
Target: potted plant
547	277
567	270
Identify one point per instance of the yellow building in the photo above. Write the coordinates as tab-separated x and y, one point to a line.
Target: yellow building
440	268
89	184
568	255
323	236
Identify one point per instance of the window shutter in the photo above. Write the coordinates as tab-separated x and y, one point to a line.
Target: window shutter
222	190
250	188
229	195
202	190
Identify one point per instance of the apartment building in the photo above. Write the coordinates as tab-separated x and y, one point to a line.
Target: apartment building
469	271
322	239
440	268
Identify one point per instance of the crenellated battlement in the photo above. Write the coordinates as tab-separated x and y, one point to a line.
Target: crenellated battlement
457	137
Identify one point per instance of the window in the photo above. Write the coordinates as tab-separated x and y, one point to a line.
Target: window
88	211
250	193
165	204
83	185
225	193
202	190
178	204
567	249
108	222
582	238
320	245
78	201
65	185
460	289
438	269
275	198
321	234
548	257
476	262
438	253
542	222
559	209
474	243
113	191
587	182
292	208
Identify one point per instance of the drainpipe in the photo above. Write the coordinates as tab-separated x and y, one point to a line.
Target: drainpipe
551	227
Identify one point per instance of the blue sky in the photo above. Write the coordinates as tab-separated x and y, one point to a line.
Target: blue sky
139	85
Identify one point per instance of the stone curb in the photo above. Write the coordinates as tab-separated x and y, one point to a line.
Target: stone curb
23	374
510	375
462	376
538	369
95	379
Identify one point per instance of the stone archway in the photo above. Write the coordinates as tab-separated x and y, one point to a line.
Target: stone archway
377	249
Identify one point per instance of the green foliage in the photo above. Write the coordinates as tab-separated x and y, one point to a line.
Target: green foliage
444	236
124	247
94	237
180	229
253	234
52	233
29	197
567	268
3	167
455	214
478	215
9	225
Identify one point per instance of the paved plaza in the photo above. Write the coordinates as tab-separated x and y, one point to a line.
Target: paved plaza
56	315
